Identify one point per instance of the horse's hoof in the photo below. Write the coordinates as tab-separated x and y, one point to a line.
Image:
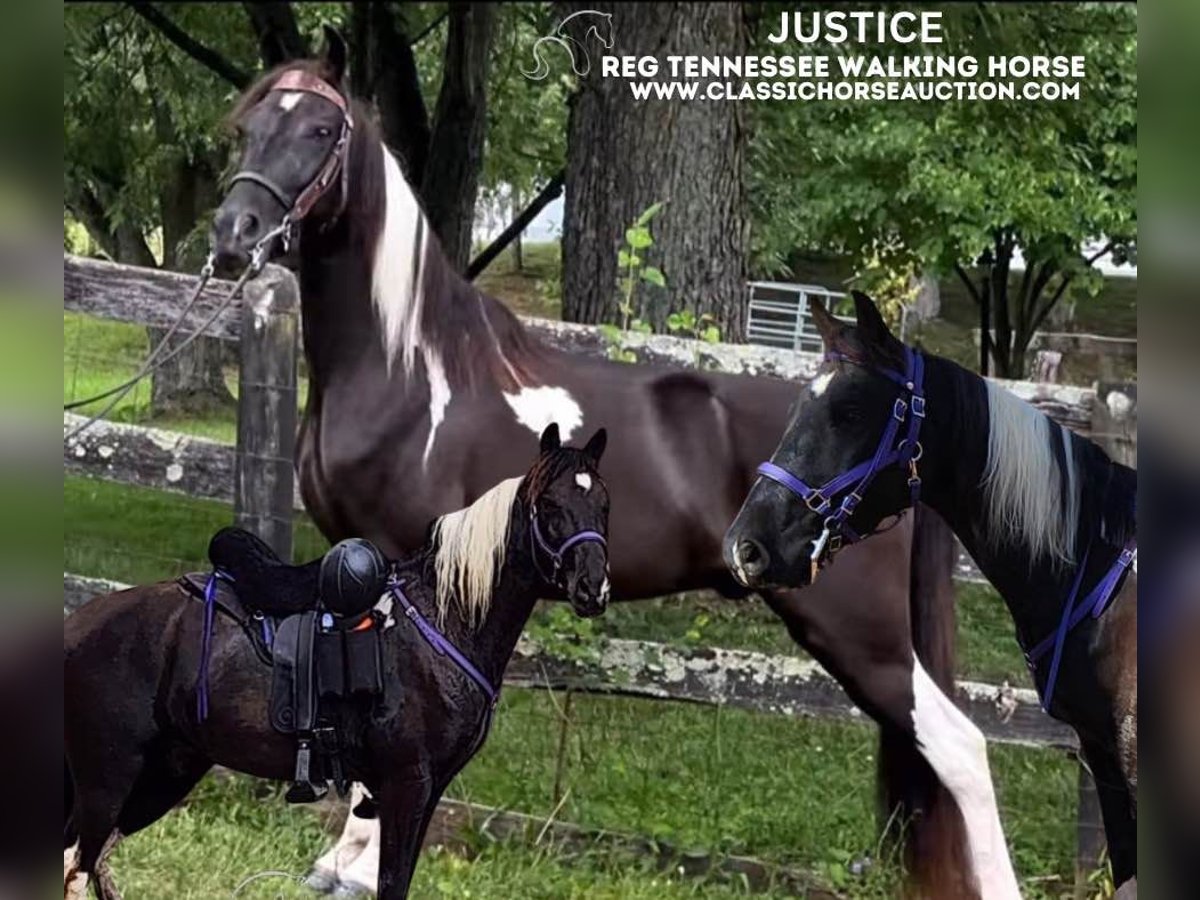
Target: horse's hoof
346	890
321	880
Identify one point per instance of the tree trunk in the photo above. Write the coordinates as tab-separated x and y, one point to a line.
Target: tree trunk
383	68
451	179
623	155
985	325
518	256
194	380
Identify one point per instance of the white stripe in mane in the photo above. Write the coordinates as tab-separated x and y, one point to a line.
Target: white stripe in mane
397	280
396	274
471	546
1022	480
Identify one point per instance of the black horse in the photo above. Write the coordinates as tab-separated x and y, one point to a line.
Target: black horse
424	392
1046	514
135	746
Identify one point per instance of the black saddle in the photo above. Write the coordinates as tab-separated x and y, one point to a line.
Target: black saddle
347	581
262	581
316	626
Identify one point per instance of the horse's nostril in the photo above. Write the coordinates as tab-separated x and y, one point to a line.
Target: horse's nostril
751	556
246	226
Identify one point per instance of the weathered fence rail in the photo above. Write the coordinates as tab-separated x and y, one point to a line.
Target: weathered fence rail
152	297
203	468
256	477
759	682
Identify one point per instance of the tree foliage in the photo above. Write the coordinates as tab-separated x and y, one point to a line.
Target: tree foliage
955	187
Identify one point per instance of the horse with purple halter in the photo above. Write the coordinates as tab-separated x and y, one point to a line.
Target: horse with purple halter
135	745
424	393
1043	511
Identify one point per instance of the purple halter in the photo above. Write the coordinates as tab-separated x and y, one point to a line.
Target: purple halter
556	556
854	482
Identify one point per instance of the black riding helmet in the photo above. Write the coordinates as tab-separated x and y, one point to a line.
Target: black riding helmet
353	577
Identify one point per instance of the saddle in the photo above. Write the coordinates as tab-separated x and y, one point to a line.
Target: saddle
318	627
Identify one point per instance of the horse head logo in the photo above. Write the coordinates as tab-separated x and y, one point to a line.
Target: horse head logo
597	23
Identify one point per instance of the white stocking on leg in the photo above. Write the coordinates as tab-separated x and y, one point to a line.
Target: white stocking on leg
957	751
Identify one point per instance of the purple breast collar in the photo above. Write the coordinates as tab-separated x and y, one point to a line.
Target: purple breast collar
1095	603
440	642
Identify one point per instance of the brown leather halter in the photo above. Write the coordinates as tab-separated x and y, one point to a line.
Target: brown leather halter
298	207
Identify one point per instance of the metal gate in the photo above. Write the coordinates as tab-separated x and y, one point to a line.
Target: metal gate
778	314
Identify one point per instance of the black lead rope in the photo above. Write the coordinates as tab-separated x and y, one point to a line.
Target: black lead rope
154	361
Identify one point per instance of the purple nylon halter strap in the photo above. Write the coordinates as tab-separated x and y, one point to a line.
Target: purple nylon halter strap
857	479
1095	603
556	556
206	634
440	642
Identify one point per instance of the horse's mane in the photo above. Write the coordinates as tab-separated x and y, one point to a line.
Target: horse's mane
426	310
1045	488
470	546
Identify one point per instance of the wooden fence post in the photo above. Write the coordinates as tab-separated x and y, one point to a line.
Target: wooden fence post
1089	832
1114	420
266	431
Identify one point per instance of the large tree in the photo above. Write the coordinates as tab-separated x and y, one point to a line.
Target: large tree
140	174
625	155
957	187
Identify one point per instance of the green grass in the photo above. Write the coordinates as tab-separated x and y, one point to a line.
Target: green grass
536	289
236	829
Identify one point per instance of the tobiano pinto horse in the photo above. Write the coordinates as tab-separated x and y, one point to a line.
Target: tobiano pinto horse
1048	517
424	392
135	745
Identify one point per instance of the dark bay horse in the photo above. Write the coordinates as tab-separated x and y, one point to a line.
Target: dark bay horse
424	393
1046	514
134	747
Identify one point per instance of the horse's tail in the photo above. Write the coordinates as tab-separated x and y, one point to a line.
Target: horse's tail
917	808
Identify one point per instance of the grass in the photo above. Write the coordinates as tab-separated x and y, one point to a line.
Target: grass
236	829
535	289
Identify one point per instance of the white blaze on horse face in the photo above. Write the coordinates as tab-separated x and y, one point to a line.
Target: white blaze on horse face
288	99
584	480
537	407
957	751
821	383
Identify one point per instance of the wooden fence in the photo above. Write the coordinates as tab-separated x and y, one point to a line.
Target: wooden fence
256	476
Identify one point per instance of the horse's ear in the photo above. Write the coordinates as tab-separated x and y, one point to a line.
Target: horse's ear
334	53
871	327
550	439
828	327
596	444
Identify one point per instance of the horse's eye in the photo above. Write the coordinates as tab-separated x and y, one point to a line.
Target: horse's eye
845	413
323	132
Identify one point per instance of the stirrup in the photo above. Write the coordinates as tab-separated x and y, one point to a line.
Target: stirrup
303	790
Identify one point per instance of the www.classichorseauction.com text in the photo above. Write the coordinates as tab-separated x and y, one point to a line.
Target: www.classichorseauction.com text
842	75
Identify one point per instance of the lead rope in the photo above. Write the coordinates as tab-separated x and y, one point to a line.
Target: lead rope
153	361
